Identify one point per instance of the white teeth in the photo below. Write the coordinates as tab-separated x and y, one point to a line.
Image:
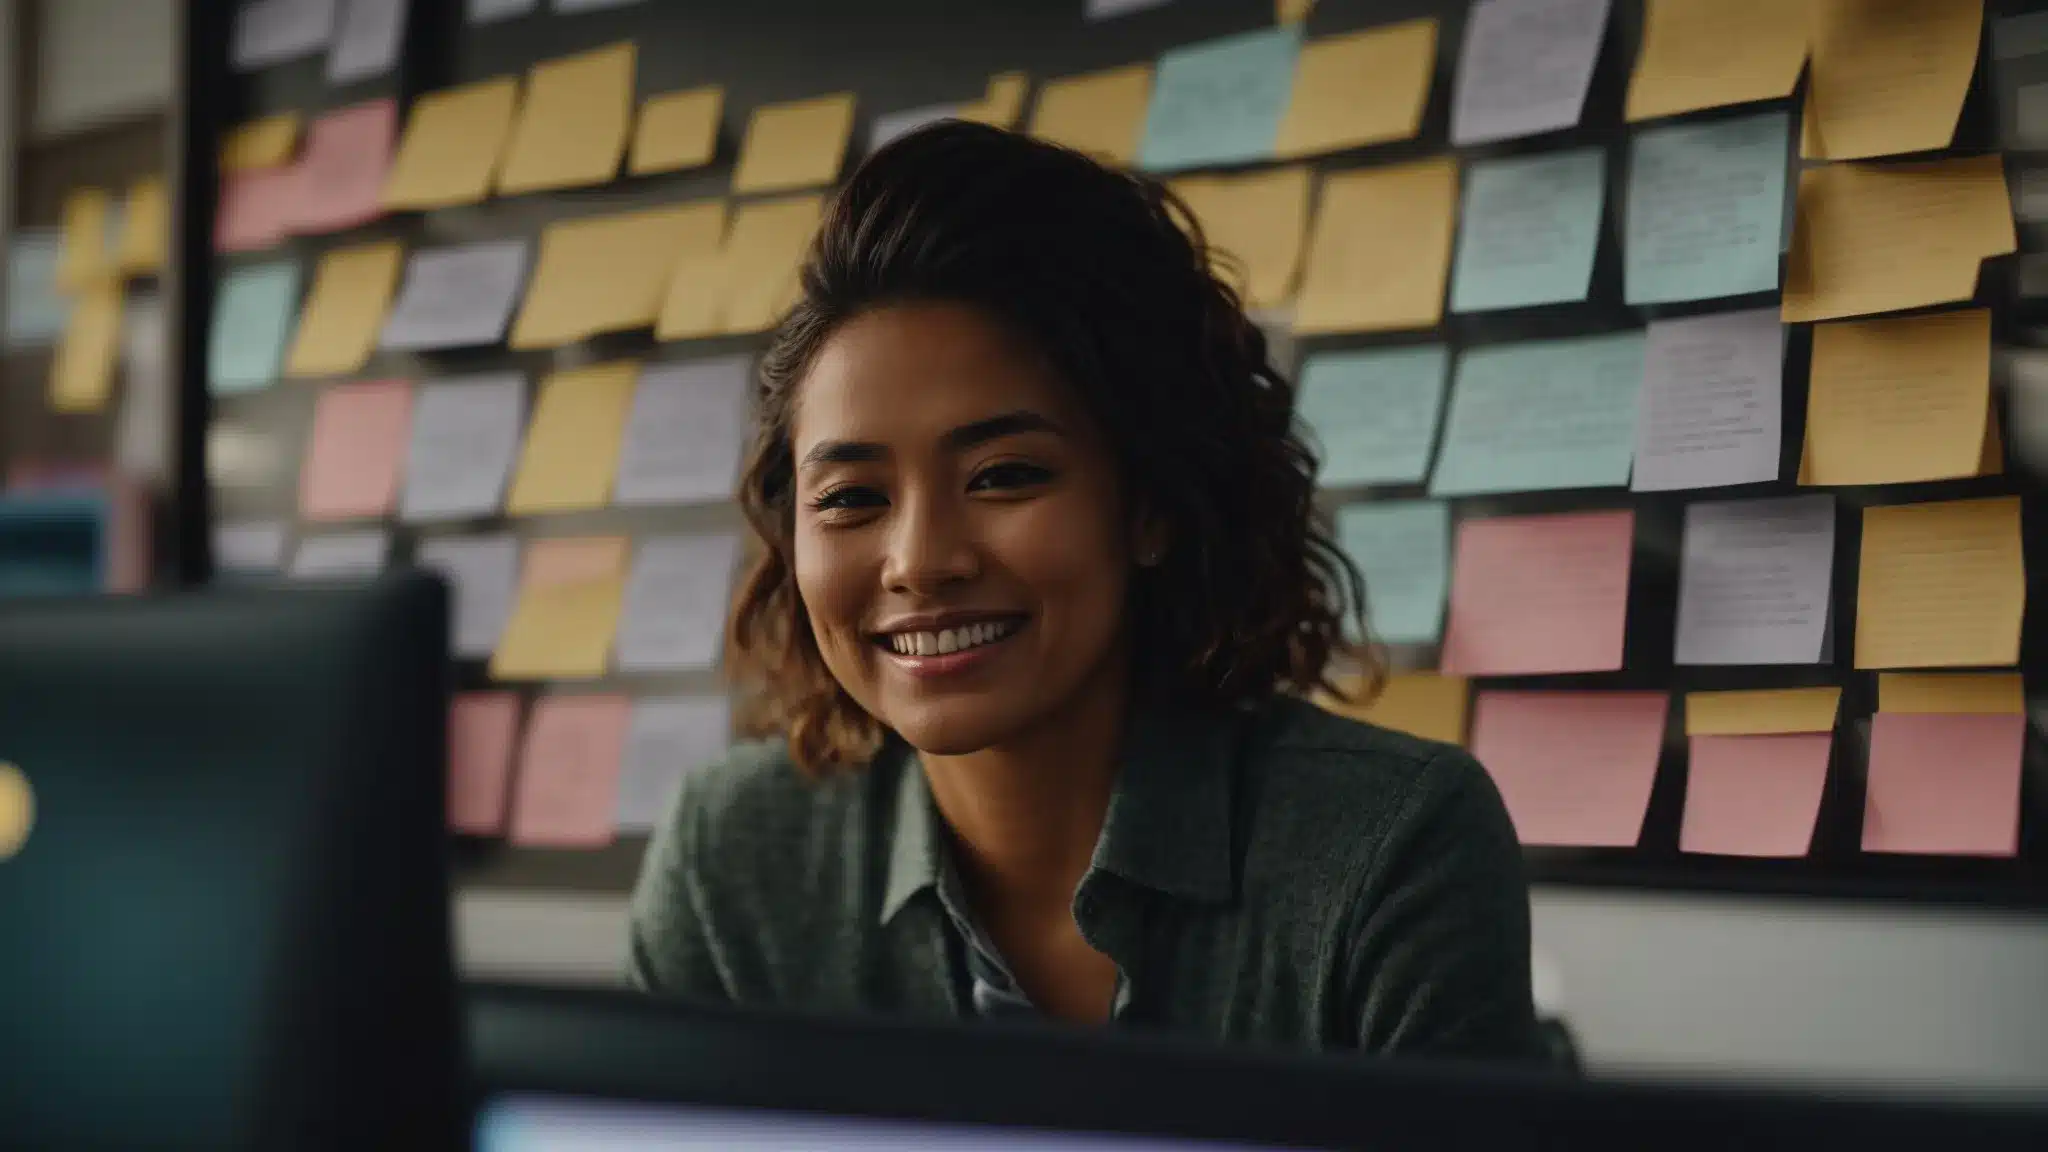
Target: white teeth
948	640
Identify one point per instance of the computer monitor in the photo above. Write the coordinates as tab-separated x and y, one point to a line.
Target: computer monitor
223	880
556	1070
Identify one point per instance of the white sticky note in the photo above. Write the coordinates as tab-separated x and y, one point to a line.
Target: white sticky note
890	125
271	32
341	555
1754	579
1525	67
675	603
255	546
457	297
366	42
685	433
667	737
1111	9
1711	403
465	437
1374	413
492	11
483	579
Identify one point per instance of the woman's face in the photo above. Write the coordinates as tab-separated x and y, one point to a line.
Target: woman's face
961	546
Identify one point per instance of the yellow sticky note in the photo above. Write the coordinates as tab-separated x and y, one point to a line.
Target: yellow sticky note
265	143
1255	226
1886	237
572	446
1001	105
1101	113
1889	77
800	144
1380	253
610	273
1424	704
695	298
1952	693
145	227
84	260
1941	585
1362	88
677	130
1761	712
452	144
82	372
573	125
345	310
1899	400
567	613
1710	53
762	257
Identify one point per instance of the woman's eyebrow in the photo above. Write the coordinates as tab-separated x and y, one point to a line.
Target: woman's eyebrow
969	435
843	452
980	432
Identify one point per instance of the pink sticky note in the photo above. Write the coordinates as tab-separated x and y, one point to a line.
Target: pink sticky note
341	171
1754	795
568	789
482	729
357	456
1535	594
255	210
570	559
1944	785
1575	768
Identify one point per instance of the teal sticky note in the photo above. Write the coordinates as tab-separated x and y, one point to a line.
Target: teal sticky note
36	310
1706	209
1220	101
252	317
1542	415
1373	414
1529	230
1403	549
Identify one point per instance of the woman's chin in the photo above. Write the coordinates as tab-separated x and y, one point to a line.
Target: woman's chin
951	729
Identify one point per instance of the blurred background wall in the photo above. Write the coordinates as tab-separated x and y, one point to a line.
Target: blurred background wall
1649	981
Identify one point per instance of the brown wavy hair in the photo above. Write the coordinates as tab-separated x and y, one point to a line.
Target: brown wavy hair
1107	275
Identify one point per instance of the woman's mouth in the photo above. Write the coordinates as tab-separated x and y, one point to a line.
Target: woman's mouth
951	650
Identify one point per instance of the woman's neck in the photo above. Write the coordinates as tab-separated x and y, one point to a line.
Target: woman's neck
1027	814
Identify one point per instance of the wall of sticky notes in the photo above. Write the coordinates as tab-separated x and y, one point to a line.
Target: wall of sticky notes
86	391
1656	351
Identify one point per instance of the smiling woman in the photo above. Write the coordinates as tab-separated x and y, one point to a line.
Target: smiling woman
1040	589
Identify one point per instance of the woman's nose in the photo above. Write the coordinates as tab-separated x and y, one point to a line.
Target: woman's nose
931	545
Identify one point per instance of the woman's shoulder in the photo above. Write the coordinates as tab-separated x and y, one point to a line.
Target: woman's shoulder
756	794
1303	758
1295	730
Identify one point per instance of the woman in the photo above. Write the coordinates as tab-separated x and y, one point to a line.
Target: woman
1041	583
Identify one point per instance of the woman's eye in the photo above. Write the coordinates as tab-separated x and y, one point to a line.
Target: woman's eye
1009	474
846	496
